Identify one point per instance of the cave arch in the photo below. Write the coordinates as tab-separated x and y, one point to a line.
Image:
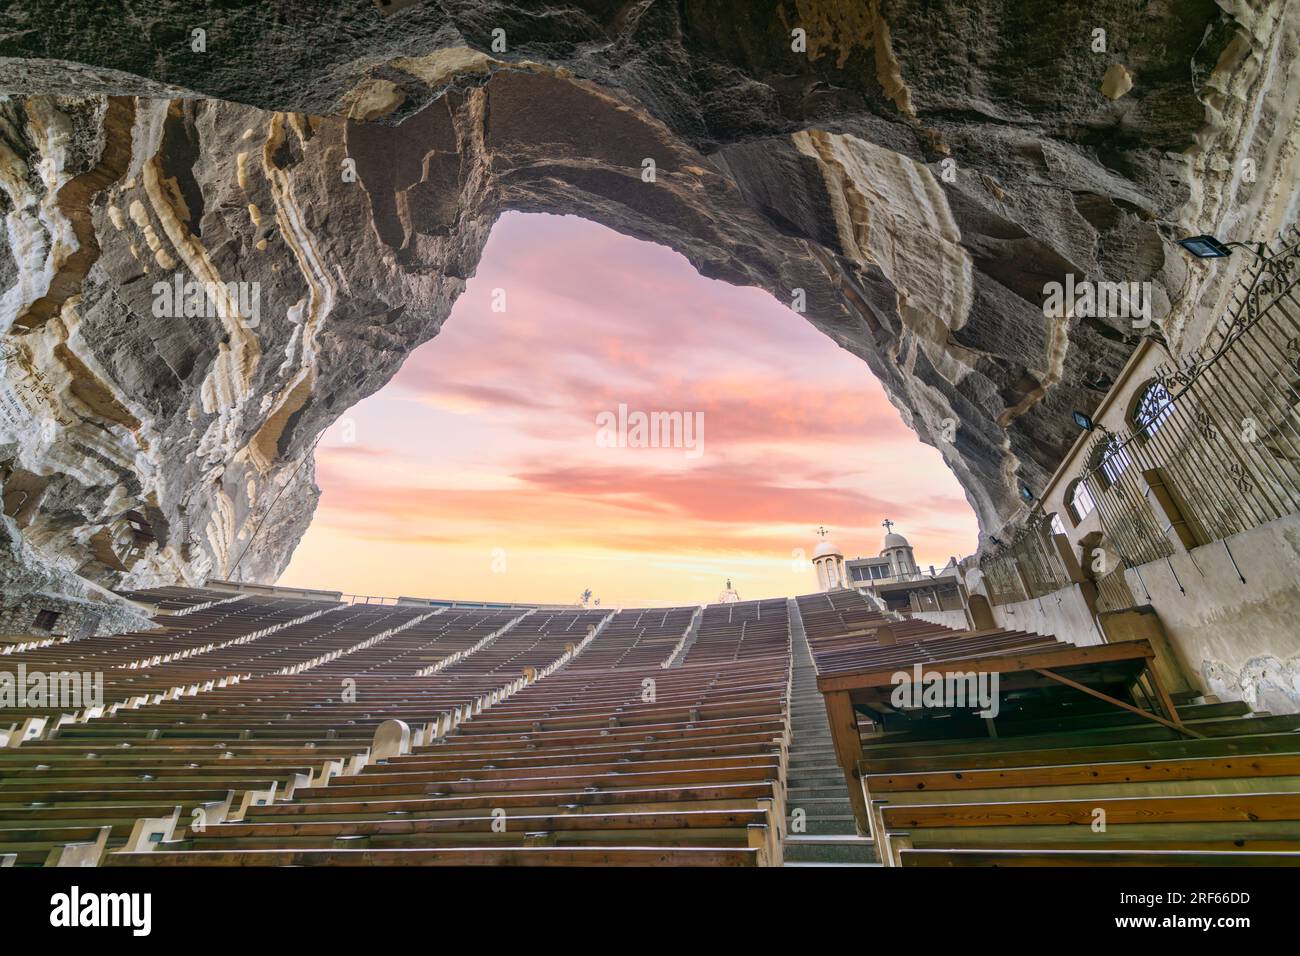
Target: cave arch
833	182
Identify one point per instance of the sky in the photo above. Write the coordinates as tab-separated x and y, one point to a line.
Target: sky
492	467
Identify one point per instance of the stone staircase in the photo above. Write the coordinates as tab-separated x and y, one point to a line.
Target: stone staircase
816	783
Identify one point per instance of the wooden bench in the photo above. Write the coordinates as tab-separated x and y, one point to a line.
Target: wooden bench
474	856
587	768
1144	858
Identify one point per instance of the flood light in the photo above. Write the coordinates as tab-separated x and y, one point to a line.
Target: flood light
1205	247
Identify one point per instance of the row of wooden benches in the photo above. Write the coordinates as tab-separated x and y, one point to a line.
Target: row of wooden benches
743	630
520	749
581	766
237	743
1125	793
1083	766
847	632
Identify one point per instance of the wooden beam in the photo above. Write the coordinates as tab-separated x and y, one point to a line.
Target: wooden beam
1163	695
848	751
1149	811
1119	703
1202	769
1001	663
988	858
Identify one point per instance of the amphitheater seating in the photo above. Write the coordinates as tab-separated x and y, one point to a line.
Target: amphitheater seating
179	598
262	733
285	730
580	761
1066	779
519	748
749	629
641	636
847	633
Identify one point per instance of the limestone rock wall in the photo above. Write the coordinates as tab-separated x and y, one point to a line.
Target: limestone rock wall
915	175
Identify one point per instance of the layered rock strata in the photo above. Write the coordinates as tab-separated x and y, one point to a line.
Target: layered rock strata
909	177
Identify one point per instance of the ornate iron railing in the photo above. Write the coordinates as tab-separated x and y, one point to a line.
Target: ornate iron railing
1221	433
1001	579
1040	562
1113	592
1027	566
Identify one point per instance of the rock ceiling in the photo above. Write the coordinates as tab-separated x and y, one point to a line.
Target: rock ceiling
918	170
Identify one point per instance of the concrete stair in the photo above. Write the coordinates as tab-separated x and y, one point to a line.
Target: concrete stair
815	782
822	849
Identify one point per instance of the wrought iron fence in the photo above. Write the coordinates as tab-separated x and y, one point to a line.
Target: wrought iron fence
1113	592
1001	579
1028	566
1040	561
1218	430
1119	491
939	599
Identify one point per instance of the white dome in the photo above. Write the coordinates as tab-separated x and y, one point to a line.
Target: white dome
895	541
827	548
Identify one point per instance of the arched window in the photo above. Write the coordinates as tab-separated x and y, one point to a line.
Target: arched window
1080	501
1153	407
1109	460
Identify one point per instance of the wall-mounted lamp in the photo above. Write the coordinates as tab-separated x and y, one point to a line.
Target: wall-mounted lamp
1207	247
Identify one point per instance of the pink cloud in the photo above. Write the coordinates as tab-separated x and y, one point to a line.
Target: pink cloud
485	437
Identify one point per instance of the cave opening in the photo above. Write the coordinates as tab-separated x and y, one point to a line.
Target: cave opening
504	462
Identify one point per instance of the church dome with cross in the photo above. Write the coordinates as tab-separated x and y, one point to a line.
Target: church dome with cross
825	548
828	564
897	550
895	562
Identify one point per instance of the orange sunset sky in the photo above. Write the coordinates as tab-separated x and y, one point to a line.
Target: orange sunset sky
475	474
